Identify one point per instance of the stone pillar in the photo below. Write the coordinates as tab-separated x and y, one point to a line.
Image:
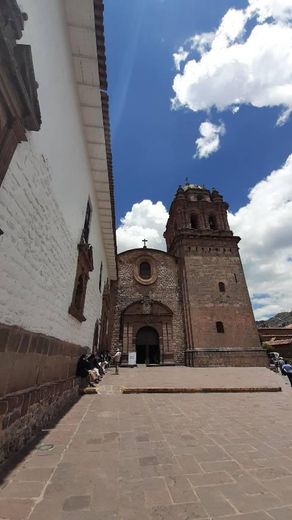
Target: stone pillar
165	337
131	347
125	339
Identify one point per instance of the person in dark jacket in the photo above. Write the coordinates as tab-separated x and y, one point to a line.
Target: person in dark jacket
287	369
84	371
83	366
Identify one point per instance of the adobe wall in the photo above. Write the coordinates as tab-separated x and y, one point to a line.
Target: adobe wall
165	289
37	379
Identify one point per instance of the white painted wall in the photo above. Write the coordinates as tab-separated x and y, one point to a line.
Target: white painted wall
44	195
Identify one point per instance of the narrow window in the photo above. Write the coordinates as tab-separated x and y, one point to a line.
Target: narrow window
100	277
219	326
212	222
86	227
221	287
235	278
194	222
145	270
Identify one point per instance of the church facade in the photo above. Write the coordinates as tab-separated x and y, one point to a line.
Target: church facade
189	305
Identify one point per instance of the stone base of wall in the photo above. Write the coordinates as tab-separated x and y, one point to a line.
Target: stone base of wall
226	358
37	380
24	414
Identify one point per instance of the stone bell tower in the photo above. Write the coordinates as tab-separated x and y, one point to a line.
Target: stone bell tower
219	324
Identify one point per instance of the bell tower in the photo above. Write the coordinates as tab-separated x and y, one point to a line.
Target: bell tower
220	329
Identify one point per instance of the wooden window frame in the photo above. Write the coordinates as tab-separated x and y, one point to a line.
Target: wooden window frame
19	105
84	267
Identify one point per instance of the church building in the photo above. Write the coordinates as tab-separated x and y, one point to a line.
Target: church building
189	305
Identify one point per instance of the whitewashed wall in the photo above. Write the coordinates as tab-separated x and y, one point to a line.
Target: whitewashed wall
44	195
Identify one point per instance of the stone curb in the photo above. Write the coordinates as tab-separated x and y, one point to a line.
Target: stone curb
88	390
161	390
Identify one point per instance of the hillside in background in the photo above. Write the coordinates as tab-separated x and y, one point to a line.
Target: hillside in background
280	320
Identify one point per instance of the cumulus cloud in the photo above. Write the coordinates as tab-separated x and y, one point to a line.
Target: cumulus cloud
266	247
209	142
179	57
145	220
237	65
278	9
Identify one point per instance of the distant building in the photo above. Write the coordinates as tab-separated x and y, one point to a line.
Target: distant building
191	304
277	339
57	243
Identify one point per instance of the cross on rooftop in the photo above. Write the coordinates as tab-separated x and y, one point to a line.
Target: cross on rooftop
145	242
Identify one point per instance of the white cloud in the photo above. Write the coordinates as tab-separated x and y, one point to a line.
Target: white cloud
145	220
231	27
278	9
179	57
266	247
209	142
201	42
283	118
241	67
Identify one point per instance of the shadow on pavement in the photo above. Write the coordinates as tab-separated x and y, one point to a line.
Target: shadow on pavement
15	459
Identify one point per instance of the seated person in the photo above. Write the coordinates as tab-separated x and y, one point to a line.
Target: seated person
95	365
84	371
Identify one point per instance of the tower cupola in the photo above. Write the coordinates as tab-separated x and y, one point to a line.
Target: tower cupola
196	211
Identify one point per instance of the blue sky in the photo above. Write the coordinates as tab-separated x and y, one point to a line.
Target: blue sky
154	146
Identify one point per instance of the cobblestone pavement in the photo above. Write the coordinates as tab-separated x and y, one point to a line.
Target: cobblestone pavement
160	457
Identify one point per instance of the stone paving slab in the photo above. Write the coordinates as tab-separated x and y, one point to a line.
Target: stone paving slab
160	457
197	378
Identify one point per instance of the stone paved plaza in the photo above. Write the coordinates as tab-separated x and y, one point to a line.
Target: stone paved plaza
161	456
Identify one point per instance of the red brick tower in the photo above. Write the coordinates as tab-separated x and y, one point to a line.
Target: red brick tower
219	324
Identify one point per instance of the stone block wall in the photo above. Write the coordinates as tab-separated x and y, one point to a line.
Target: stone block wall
37	380
164	289
205	266
226	358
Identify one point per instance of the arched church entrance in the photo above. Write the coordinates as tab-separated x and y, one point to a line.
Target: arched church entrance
147	346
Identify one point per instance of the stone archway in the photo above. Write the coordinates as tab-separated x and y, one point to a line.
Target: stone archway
147	346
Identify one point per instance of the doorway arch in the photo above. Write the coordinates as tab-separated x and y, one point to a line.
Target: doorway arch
147	346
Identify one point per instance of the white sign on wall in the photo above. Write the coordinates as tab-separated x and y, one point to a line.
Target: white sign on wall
132	358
